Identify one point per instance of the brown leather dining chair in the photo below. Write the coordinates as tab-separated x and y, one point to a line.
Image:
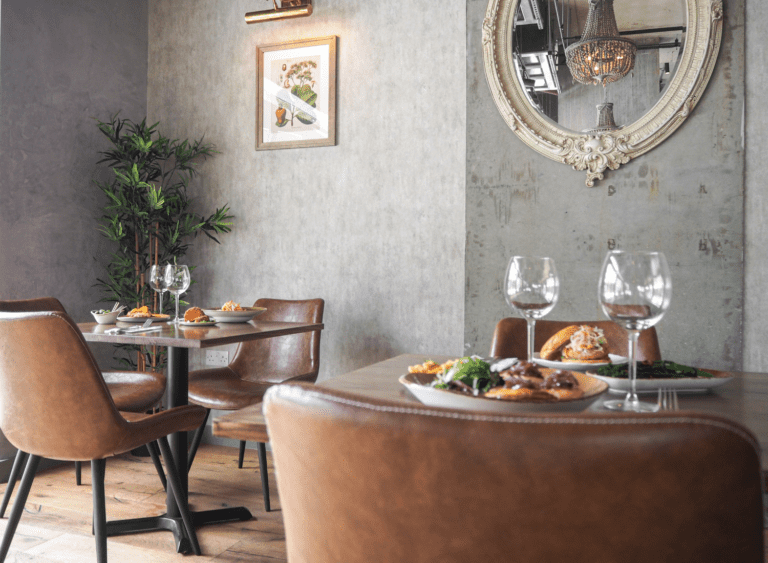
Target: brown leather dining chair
423	484
132	391
510	338
256	366
55	404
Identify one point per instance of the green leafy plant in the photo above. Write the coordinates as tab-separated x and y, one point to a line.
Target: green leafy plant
148	214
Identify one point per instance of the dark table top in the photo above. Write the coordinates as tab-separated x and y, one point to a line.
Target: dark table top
744	399
195	337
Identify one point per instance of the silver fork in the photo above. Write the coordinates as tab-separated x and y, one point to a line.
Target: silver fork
668	399
120	330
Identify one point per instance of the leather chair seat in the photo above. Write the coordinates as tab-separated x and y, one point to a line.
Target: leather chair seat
223	389
135	391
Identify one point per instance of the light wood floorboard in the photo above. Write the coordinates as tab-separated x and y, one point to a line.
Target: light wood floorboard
56	524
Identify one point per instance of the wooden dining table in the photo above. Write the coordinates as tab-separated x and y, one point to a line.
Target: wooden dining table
179	340
743	399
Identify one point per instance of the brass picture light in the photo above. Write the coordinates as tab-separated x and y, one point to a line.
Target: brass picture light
287	9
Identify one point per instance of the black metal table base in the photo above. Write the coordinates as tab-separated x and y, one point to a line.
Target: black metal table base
175	525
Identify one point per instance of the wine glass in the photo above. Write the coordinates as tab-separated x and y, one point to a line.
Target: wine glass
531	287
177	279
634	291
157	282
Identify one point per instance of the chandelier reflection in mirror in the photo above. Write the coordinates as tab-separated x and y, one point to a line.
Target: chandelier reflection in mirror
602	55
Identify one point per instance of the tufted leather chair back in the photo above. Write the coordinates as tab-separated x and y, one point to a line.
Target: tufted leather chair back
273	360
53	400
510	338
366	480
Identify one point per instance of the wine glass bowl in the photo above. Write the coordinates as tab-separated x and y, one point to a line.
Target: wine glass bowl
156	280
531	287
177	279
634	291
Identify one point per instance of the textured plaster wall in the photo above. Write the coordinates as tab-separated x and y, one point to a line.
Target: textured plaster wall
756	203
62	64
684	198
374	225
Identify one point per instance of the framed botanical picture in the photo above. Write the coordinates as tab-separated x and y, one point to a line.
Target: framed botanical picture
296	94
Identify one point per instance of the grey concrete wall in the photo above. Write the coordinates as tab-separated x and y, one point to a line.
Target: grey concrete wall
756	203
62	64
374	225
684	198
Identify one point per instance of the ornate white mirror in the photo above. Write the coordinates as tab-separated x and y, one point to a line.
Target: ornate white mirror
594	85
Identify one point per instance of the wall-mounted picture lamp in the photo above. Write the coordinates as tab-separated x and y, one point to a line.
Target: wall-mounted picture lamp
287	9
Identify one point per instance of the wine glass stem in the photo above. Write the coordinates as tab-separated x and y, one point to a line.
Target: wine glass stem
531	330
632	349
160	310
177	307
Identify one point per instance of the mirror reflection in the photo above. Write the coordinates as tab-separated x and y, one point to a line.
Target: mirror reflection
597	65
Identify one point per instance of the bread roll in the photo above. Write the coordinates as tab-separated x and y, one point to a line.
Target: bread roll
193	314
553	347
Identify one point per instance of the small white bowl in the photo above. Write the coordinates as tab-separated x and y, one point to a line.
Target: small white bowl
106	318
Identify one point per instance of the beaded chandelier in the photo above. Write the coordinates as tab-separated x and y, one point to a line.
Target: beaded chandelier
602	55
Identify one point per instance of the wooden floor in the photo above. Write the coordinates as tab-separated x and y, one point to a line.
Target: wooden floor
56	524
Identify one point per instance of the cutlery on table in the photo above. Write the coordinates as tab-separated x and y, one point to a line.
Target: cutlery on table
668	399
143	328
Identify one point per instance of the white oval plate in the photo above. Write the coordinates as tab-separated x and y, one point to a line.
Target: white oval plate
143	319
243	316
417	383
575	366
692	384
190	323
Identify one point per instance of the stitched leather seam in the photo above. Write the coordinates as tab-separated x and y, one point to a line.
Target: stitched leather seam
298	392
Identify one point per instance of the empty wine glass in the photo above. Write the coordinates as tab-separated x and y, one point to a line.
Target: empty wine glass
531	288
177	279
156	279
634	291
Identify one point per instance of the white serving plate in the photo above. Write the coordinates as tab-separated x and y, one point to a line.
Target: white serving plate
690	384
243	316
417	383
575	366
190	323
144	319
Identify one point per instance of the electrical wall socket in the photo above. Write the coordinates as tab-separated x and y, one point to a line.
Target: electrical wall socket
216	358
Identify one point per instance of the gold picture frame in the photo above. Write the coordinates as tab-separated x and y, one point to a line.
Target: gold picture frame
296	94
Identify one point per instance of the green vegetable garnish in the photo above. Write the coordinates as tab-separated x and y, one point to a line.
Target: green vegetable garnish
661	369
472	372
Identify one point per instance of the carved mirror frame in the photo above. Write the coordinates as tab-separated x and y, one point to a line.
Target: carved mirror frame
594	152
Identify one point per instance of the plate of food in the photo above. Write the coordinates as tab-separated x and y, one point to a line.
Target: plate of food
469	384
142	314
577	348
195	316
653	375
232	312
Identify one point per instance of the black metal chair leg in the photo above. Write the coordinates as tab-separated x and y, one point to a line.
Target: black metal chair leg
196	441
155	455
262	449
78	473
241	455
178	493
98	469
16	469
18	504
